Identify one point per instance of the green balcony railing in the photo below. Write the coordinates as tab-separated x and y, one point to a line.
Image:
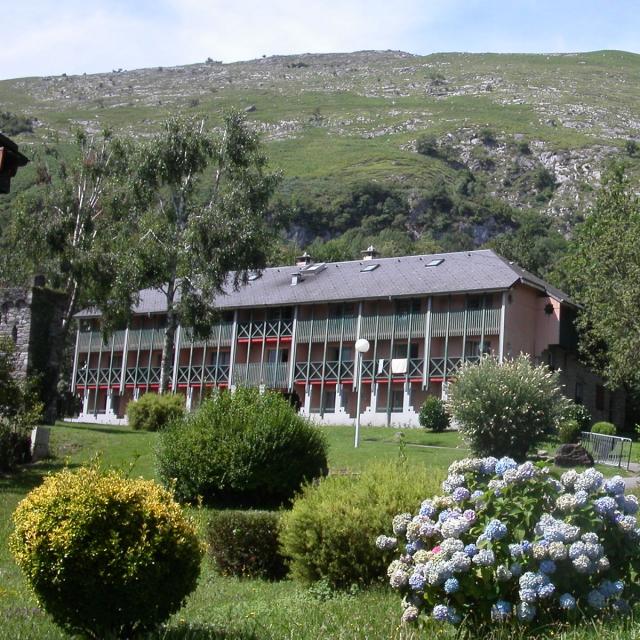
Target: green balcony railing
265	329
269	374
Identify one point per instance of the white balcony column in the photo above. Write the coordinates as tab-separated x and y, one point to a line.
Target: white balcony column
373	404
136	393
338	408
189	400
406	399
176	359
109	406
307	400
85	401
502	322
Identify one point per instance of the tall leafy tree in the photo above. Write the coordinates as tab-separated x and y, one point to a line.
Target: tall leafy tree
63	224
602	269
199	225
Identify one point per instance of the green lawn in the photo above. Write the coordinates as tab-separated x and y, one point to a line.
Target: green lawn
228	608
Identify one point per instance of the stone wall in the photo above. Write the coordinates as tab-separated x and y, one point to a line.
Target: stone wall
32	320
15	324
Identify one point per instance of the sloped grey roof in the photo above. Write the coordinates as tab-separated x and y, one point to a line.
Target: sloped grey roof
408	276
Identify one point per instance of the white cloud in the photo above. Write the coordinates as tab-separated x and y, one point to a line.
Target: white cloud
75	37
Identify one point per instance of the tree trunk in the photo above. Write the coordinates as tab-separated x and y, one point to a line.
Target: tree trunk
169	340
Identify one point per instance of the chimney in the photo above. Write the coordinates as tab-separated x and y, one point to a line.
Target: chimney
304	260
296	278
370	253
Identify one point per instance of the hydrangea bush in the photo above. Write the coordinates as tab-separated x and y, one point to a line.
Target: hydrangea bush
510	544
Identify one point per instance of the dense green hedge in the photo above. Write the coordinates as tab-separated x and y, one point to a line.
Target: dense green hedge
245	543
605	428
153	412
433	415
330	532
241	449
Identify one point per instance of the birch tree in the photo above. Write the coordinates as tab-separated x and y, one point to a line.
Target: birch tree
200	223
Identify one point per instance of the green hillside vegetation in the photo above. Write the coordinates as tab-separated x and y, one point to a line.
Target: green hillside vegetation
448	151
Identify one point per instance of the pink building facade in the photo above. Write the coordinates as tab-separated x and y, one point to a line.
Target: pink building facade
294	329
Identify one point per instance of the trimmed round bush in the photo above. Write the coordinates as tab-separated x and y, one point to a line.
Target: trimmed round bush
433	415
504	409
105	555
153	411
569	432
245	544
605	428
241	449
508	546
330	532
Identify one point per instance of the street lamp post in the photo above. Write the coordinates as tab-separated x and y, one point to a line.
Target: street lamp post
362	346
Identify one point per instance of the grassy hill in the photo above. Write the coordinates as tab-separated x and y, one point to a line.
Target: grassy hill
535	132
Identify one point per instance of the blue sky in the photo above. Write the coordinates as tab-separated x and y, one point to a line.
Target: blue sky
51	37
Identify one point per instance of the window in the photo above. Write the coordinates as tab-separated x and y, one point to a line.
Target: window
277	355
435	262
477	302
599	397
400	350
369	268
329	401
472	348
254	276
279	313
404	307
578	396
223	357
397	400
341	311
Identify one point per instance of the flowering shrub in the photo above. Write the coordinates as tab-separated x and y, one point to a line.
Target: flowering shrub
508	543
503	409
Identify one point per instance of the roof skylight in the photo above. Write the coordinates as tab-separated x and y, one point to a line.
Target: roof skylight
370	267
435	262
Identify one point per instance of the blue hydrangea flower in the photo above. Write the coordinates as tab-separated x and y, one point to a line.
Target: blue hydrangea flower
614	486
451	585
605	505
386	543
548	567
495	530
516	550
526	612
427	508
417	581
501	610
546	590
567	601
528	595
484	558
607	588
440	612
516	569
596	600
503	464
581	497
471	550
460	494
488	465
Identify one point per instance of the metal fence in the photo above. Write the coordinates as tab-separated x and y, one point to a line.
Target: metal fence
604	449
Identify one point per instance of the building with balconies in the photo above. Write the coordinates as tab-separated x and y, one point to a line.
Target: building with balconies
293	328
